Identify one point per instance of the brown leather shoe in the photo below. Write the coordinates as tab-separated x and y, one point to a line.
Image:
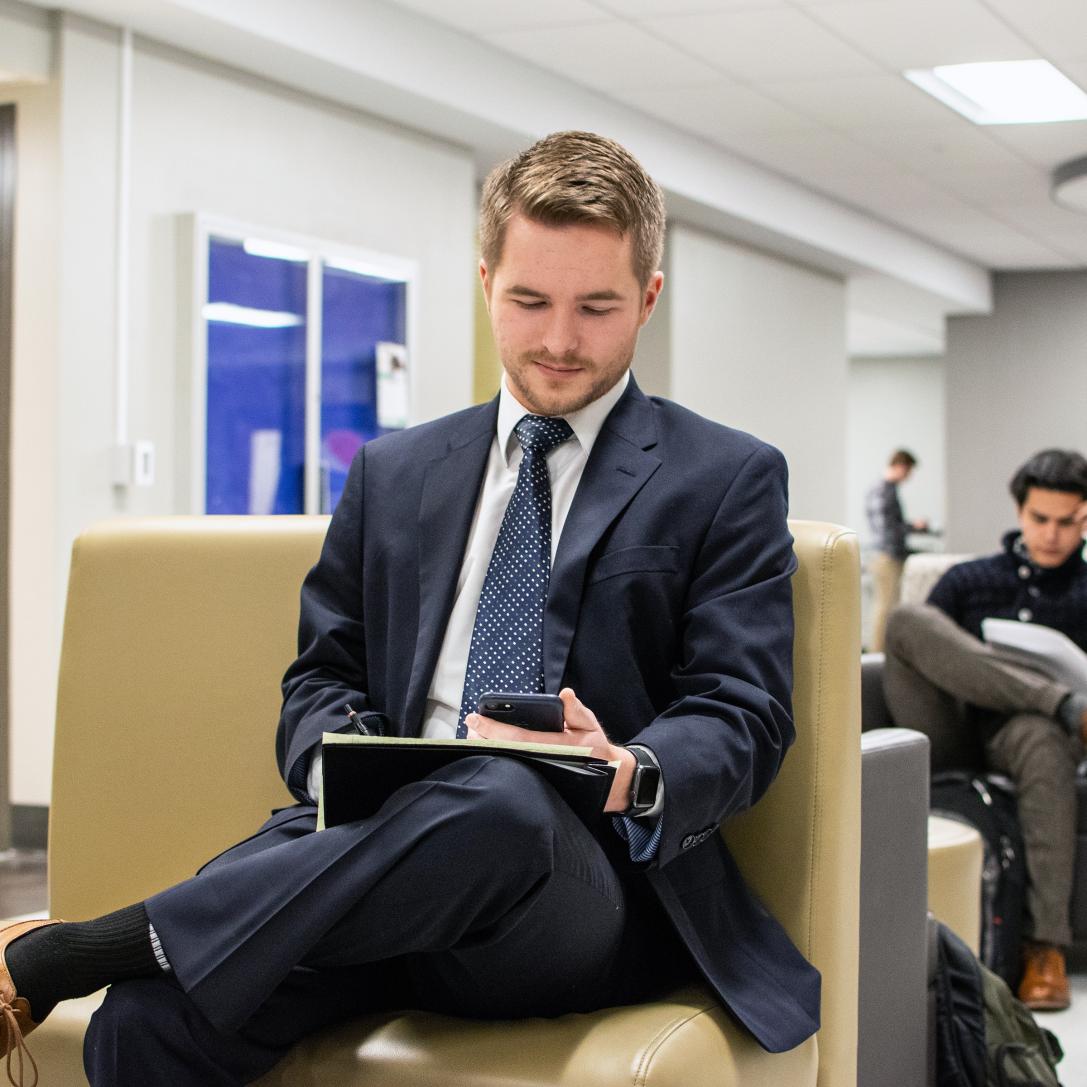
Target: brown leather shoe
15	1010
1044	987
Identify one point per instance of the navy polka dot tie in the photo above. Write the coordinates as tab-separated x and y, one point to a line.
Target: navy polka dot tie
506	653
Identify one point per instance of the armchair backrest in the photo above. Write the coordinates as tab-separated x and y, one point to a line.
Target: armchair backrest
178	631
799	846
176	636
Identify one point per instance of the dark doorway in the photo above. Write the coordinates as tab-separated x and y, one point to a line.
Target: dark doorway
7	252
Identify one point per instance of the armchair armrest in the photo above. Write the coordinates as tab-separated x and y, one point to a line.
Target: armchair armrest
893	1024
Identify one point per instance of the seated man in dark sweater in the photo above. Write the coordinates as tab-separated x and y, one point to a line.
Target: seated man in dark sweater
977	709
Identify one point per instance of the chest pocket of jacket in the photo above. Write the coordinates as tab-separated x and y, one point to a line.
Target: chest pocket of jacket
647	559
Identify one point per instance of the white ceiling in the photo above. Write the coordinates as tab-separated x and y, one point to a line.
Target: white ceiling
784	124
812	90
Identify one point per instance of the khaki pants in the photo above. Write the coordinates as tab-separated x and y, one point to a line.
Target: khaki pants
886	581
933	667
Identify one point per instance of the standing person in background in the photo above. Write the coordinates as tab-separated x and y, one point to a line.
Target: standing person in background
889	531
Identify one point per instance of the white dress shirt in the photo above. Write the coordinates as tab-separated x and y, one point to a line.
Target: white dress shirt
565	463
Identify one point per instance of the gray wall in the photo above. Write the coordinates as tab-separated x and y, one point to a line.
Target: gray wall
897	403
1016	383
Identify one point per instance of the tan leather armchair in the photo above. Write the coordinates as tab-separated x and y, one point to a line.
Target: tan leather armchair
176	635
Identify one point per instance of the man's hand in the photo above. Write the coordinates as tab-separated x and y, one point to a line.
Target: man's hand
581	729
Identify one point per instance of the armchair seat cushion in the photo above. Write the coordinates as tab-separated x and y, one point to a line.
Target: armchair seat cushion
684	1040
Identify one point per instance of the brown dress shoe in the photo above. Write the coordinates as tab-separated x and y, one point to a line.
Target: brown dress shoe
15	1020
1044	987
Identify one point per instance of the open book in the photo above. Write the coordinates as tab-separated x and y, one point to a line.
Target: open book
359	773
1042	648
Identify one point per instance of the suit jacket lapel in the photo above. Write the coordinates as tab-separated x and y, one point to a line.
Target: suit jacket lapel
450	488
618	468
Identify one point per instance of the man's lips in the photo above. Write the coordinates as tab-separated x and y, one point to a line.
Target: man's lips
551	368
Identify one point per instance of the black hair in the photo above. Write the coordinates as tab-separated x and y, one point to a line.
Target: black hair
1051	470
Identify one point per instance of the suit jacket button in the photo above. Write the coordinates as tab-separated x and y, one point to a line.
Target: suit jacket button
688	841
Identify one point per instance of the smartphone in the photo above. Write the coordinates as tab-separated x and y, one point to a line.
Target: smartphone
539	712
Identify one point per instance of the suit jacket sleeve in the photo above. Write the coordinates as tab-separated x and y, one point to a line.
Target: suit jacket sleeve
721	741
330	670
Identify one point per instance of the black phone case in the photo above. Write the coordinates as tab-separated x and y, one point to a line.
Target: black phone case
539	712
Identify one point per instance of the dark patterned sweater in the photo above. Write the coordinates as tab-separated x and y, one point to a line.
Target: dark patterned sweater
1009	586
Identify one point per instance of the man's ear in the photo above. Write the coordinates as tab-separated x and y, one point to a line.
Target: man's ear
649	298
485	281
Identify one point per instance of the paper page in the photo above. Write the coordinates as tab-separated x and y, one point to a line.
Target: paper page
1042	648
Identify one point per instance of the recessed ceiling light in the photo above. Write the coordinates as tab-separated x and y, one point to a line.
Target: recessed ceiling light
1014	92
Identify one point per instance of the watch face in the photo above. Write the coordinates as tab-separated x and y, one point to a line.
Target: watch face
644	787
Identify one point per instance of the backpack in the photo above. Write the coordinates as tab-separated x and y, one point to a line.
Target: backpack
984	1036
987	803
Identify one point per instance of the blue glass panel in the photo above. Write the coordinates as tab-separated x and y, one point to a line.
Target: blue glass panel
359	313
256	386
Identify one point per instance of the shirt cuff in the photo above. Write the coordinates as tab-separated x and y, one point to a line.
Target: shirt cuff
642	838
313	775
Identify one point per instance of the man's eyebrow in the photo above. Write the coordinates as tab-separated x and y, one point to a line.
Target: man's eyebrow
592	296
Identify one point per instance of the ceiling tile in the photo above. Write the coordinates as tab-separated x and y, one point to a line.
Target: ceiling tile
982	238
493	16
1047	145
858	101
722	108
1062	229
609	57
922	33
644	9
762	44
1055	27
811	155
948	150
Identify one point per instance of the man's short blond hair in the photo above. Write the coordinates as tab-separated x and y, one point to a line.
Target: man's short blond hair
576	177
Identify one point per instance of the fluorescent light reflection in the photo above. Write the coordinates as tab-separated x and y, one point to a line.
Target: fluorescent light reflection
360	268
229	314
258	247
1013	92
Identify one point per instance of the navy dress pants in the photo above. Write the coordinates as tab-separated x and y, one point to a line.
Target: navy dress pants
474	892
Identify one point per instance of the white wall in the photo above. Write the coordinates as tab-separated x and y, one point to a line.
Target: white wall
897	403
207	139
34	611
759	343
1017	383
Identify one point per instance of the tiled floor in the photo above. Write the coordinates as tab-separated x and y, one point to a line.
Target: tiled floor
22	882
22	890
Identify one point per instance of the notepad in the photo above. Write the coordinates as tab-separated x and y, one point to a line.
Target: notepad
1042	648
359	773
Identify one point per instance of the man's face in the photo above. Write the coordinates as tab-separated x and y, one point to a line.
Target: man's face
566	308
1052	524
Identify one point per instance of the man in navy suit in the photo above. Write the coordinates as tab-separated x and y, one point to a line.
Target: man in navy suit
661	614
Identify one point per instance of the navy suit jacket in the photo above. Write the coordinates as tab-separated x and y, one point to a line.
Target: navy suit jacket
669	612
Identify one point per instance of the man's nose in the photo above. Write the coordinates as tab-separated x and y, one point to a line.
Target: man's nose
560	336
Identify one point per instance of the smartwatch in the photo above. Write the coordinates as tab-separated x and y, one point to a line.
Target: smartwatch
646	781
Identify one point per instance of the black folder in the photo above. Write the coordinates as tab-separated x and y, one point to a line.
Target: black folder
359	773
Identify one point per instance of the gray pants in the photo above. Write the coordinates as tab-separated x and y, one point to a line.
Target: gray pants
933	669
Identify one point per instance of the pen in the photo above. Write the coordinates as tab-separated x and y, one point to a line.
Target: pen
356	721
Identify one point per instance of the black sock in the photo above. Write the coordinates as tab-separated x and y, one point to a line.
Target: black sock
58	962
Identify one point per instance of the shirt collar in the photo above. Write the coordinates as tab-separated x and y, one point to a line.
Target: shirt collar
586	422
